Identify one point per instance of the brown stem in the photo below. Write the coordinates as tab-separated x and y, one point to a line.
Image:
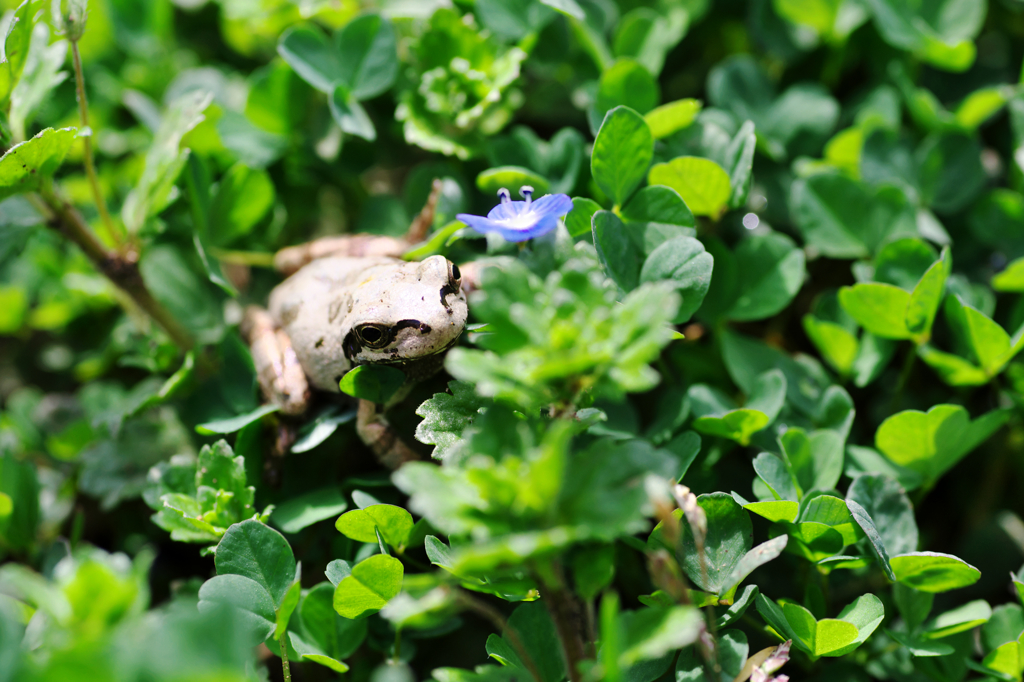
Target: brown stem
492	614
90	169
567	614
118	268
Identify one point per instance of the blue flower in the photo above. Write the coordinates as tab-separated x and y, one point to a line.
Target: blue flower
518	221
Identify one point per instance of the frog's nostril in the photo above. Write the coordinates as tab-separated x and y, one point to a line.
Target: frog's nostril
424	328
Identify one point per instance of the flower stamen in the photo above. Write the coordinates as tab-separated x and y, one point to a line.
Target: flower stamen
504	195
527	193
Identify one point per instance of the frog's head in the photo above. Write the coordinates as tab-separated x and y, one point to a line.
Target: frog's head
407	313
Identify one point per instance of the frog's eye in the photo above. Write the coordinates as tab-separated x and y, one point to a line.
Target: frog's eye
454	275
373	335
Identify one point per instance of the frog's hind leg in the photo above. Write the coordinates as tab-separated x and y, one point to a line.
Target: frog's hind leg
278	371
379	436
291	258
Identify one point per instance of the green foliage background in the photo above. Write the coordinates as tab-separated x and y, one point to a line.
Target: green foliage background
791	281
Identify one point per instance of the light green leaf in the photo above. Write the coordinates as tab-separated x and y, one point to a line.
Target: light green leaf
243	197
511	178
953	369
879	308
933	571
702	183
16	49
307	50
672	117
926	297
393	523
1011	278
966	617
775	510
371	585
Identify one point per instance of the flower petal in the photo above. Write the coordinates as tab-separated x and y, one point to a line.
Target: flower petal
555	204
479	223
507	210
542	225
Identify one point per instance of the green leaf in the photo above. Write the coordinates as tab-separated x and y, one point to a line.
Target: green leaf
953	369
729	538
245	595
367	55
349	114
780	482
233	424
16	49
622	153
578	222
831	511
286	609
992	347
812	540
672	117
371	585
946	44
683	262
512	178
965	617
1011	278
155	189
393	523
739	163
303	511
867	526
626	82
950	174
774	510
771	272
927	295
307	50
739	607
243	197
753	559
651	633
702	183
376	383
40	76
931	443
617	252
879	308
713	416
336	637
889	508
866	613
255	551
933	572
815	460
447	416
535	630
26	166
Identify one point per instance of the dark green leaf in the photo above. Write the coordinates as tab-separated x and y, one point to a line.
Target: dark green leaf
622	153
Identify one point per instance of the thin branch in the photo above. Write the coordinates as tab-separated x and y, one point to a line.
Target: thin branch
118	268
498	620
90	169
567	614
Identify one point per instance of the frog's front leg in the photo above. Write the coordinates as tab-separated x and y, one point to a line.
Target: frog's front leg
281	377
375	431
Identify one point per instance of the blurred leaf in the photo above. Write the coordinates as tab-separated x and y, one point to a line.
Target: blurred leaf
349	114
155	189
233	424
511	178
243	197
366	55
41	75
672	117
303	511
16	49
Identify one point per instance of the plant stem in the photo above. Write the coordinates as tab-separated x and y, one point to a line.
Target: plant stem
567	615
90	169
254	258
492	614
285	667
901	383
118	268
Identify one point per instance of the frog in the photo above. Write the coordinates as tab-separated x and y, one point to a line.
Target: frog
351	300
